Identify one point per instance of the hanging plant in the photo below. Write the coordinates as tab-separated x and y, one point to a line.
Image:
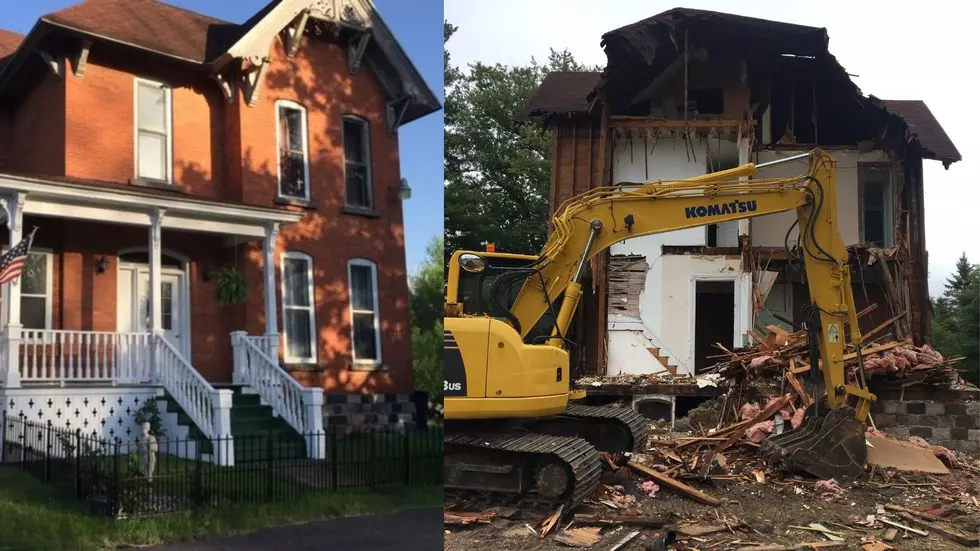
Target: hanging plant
231	285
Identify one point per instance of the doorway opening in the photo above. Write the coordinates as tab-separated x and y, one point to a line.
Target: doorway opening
714	319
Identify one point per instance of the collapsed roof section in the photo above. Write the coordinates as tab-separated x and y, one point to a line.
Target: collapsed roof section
775	55
211	44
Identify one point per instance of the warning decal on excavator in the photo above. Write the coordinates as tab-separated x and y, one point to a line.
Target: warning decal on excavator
833	333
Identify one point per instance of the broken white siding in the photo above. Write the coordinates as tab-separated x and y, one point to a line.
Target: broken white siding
770	230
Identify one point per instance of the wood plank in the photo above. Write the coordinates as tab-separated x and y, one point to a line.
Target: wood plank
617	520
969	540
676	485
869	334
903	456
735	435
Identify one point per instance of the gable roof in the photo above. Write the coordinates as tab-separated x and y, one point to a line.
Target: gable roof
9	42
163	29
560	93
148	24
925	129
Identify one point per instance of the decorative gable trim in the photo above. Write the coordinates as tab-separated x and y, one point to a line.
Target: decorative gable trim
254	75
81	58
57	65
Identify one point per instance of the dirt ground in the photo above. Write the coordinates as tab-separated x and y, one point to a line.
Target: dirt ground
758	513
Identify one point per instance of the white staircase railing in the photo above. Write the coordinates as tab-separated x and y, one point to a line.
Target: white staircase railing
299	406
186	385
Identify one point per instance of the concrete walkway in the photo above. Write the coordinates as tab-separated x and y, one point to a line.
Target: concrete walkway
411	530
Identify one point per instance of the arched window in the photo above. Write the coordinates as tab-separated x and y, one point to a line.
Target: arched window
362	276
298	308
357	163
294	159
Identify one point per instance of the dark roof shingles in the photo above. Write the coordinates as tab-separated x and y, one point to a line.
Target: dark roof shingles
149	24
927	130
560	93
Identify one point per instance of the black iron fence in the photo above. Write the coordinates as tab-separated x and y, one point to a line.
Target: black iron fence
119	479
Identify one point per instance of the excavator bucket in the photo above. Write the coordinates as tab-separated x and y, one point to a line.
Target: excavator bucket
828	444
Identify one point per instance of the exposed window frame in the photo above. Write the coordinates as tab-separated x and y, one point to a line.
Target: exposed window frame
287	355
366	141
889	207
168	121
375	362
48	285
306	149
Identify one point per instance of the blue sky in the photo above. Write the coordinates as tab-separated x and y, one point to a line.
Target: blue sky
418	27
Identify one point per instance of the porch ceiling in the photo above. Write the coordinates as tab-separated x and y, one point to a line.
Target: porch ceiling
126	204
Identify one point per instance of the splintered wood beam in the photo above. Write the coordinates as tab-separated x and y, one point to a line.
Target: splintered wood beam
253	81
227	86
395	111
56	65
294	33
356	47
81	58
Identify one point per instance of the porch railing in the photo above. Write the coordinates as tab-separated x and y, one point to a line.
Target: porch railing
299	406
84	356
269	345
185	384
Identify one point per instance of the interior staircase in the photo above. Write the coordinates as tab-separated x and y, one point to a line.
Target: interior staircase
663	359
259	434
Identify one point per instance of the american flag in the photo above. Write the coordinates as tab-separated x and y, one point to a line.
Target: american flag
12	263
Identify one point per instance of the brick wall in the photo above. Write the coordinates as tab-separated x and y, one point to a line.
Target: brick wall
953	424
82	127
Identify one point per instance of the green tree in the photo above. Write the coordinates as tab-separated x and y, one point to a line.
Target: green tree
425	305
497	170
956	318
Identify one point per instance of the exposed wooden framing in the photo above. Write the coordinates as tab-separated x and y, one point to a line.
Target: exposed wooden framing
81	58
555	153
294	33
574	148
57	66
227	86
394	111
254	76
356	47
650	122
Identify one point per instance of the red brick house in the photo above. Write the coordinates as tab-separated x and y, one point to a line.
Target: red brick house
159	152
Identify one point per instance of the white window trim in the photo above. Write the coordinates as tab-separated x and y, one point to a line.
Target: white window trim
306	149
168	120
377	312
288	357
48	287
366	140
889	203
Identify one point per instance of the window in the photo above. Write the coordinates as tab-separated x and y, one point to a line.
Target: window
153	137
876	204
35	291
294	166
298	320
357	163
365	322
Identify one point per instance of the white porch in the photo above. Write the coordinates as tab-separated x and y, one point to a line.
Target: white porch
145	351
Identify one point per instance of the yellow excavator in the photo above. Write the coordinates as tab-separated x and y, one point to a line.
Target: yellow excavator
513	427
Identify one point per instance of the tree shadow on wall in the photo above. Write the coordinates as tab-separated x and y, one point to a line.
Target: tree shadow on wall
326	232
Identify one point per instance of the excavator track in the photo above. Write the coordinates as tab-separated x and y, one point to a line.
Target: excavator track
638	425
539	470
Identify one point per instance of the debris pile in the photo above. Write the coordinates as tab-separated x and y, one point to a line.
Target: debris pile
784	354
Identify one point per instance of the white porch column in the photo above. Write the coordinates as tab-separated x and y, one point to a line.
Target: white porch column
14	205
156	264
316	439
269	271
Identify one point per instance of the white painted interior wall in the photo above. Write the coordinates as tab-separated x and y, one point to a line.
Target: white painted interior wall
665	304
770	230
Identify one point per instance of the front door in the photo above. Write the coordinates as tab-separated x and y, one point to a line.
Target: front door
134	304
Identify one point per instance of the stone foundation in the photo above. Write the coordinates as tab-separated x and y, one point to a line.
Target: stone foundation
954	424
357	411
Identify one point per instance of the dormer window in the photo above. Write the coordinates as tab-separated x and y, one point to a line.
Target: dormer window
154	136
294	164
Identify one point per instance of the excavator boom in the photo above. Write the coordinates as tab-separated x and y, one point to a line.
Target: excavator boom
493	372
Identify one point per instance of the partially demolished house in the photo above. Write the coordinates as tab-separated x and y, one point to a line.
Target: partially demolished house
688	92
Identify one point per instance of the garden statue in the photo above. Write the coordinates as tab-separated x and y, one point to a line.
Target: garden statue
148	451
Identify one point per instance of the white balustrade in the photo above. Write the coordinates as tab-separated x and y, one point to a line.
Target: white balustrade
277	387
84	356
191	391
269	345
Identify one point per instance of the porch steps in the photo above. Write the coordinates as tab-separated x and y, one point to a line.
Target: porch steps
253	426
